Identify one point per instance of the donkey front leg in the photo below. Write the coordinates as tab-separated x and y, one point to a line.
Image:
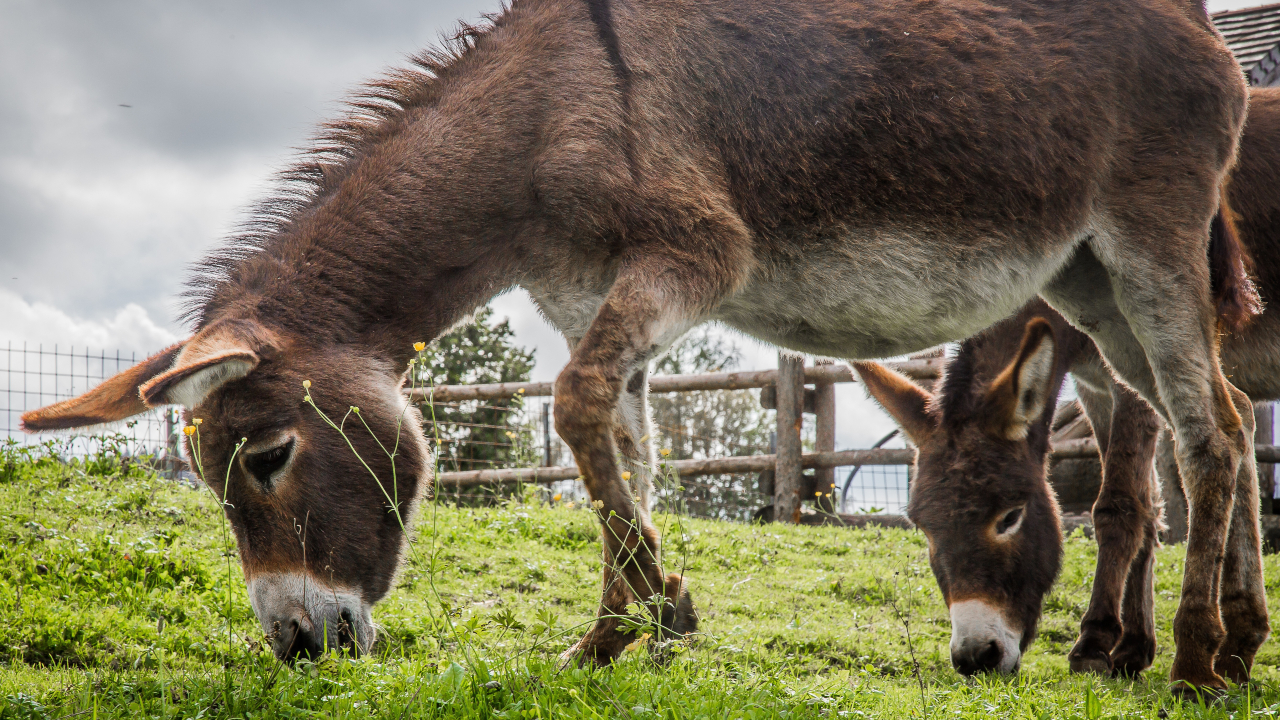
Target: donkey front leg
601	413
1122	515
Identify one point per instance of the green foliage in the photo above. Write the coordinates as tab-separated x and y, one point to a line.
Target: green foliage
479	434
127	620
709	425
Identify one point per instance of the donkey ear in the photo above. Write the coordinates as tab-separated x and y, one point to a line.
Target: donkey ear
115	399
1021	392
906	401
214	357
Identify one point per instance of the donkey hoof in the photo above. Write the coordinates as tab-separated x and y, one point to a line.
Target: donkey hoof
686	616
1192	692
1087	657
1099	665
1132	656
599	647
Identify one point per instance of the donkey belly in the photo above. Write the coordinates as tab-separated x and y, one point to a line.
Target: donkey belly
880	294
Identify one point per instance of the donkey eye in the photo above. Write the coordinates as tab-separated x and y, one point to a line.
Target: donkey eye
1010	519
265	464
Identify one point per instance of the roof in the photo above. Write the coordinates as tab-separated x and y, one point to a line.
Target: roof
1253	34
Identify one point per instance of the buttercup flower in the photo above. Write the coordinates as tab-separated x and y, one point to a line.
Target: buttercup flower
197	421
569	505
556	498
419	346
306	384
189	430
626	474
636	645
598	504
666	452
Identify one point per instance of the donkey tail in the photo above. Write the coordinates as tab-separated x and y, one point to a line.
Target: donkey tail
1234	293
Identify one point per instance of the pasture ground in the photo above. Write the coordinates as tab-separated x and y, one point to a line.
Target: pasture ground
114	594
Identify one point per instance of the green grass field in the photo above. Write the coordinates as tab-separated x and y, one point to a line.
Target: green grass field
115	588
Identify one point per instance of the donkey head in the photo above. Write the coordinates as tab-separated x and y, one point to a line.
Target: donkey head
319	523
980	496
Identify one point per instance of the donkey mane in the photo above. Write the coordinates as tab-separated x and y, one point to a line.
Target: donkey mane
954	399
375	111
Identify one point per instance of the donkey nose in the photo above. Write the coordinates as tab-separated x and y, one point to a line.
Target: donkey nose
296	639
982	640
975	657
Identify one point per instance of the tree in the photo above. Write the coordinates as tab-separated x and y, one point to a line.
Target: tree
478	434
711	424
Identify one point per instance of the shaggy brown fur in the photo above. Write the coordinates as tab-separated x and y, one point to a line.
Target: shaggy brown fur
1118	631
785	167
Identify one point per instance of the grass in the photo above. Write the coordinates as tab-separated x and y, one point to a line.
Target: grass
113	604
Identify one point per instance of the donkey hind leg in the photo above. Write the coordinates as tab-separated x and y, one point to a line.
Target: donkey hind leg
637	319
1243	597
1121	515
1157	330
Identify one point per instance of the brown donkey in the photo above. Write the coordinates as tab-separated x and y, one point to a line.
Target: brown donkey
782	166
973	475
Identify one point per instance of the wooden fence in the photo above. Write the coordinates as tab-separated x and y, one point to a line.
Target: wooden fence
793	390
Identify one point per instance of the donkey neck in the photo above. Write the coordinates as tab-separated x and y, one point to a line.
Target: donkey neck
415	228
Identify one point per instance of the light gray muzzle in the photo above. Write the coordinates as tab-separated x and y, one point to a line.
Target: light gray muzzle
303	617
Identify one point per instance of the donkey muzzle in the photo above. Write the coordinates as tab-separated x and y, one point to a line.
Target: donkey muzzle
303	617
982	640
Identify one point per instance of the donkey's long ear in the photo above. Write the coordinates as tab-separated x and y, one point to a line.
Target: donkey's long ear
906	401
217	355
115	399
1021	392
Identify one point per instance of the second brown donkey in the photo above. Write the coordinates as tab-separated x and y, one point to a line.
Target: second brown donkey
974	477
852	178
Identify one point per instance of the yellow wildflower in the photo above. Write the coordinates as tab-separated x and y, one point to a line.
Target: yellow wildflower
666	452
521	390
556	498
598	504
641	641
189	430
306	384
818	494
626	474
569	505
197	421
419	346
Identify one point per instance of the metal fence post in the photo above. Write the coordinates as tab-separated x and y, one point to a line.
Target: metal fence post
790	404
546	434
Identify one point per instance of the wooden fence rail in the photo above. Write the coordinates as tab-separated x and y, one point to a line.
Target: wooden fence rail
784	391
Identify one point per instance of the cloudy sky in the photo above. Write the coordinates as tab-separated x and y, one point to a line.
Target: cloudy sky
134	134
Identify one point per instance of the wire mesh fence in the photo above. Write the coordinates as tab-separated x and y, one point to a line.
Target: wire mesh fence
37	376
471	435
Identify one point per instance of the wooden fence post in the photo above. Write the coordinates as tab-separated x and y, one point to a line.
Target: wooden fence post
790	412
824	406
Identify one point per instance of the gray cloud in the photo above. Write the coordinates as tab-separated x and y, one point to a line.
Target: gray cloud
103	205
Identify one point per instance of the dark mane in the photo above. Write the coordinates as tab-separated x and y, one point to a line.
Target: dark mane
954	397
377	110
